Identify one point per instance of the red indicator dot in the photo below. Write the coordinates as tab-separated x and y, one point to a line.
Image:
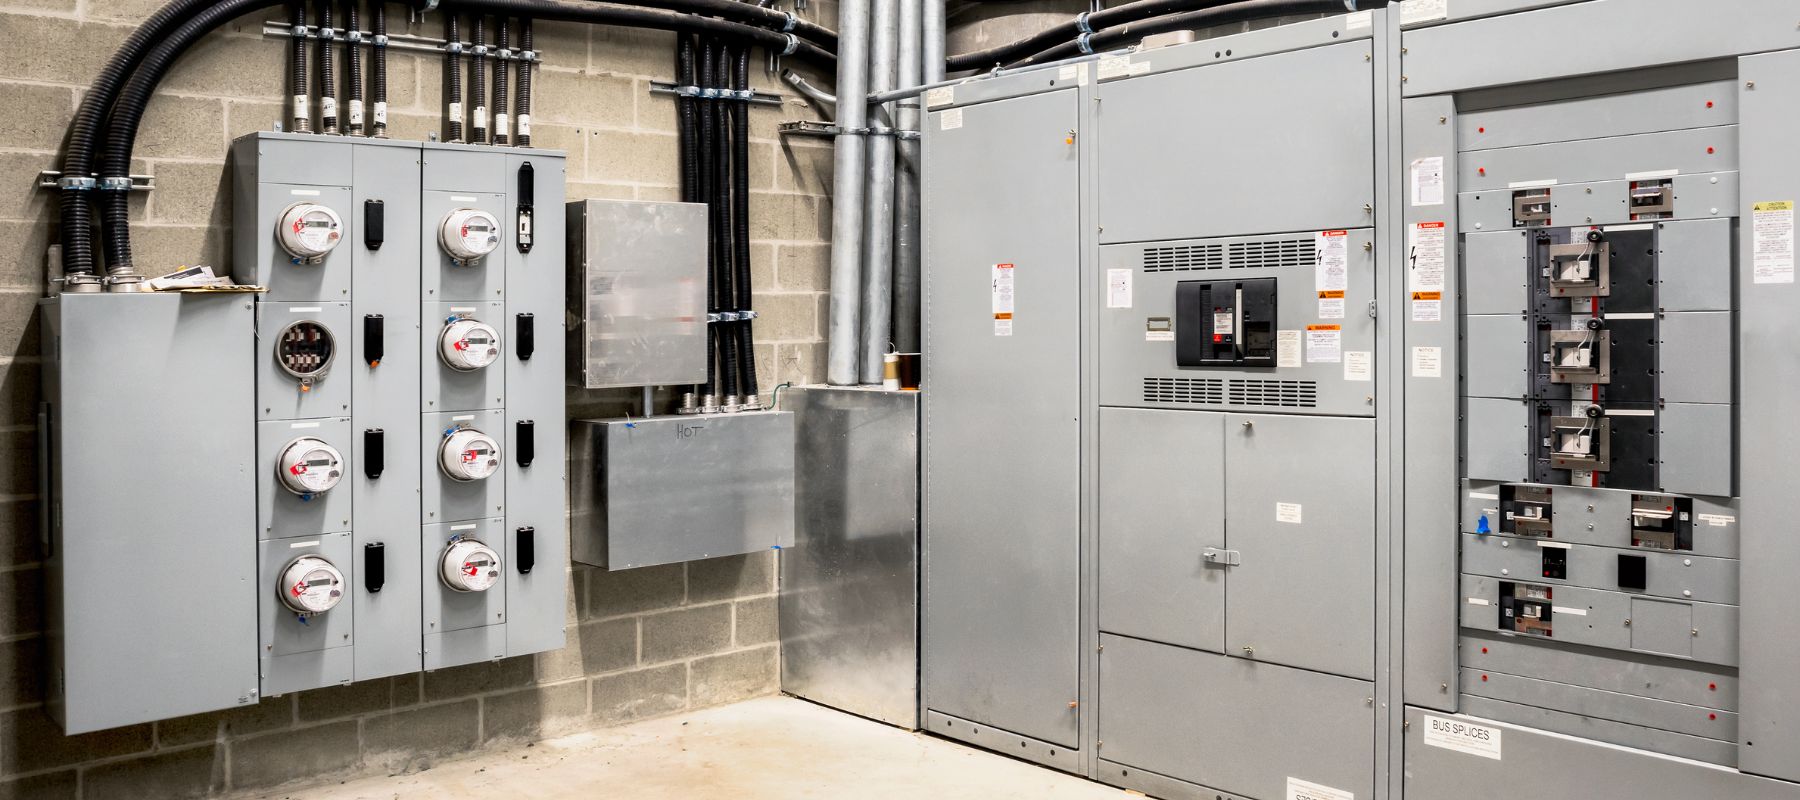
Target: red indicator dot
1484	651
1712	687
1710	151
1481	130
1712	716
1709	104
1483	170
1484	679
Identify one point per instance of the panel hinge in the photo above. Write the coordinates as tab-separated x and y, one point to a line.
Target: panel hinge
1223	558
1373	313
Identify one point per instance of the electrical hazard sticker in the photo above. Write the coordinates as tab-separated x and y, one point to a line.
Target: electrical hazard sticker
1426	257
1774	242
1003	299
1331	305
1324	344
1427	306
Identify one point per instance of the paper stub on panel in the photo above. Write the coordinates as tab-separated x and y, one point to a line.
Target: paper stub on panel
1463	737
1426	257
1774	242
941	96
1423	10
1716	520
1332	271
1159	336
1427	306
1331	305
1287	349
1359	365
1223	324
1359	20
1428	362
1324	344
1479	601
1428	181
1003	299
950	120
1305	790
1114	66
1138	68
1118	288
1291	513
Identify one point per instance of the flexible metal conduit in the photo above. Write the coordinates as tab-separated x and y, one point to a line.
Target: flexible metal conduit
328	115
503	44
478	122
522	119
740	223
353	59
847	195
379	47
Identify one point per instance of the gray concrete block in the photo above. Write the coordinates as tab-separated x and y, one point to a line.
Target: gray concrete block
20	386
30	741
160	249
23	245
21	199
631	51
18	519
278	758
415	738
804	168
238	67
564	44
582	97
22	664
21	591
640	694
803	267
487	676
249	116
582	190
754	622
632	157
786	317
62	785
608	646
534	712
686	633
409	690
735	676
62	50
182	127
272	714
192	192
781	217
169	774
18	323
801	363
730	577
352	700
633	591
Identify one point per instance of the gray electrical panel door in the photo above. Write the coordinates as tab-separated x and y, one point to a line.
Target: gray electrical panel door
1002	453
1162	484
1300	514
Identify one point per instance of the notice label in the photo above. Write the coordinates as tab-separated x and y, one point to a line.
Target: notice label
1222	324
1716	520
1003	299
1324	344
1291	513
1331	305
950	120
1118	288
1114	66
1359	365
941	96
1428	181
1159	336
1287	349
1304	790
1427	306
1428	362
1774	242
1332	272
1423	11
1425	257
1463	737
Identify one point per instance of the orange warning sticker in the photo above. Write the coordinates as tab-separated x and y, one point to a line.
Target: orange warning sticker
1427	296
1338	295
1324	327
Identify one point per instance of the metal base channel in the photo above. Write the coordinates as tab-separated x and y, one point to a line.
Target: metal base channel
988	737
1157	785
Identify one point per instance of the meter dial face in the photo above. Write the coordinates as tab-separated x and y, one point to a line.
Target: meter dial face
304	349
309	466
469	233
469	455
308	231
310	585
468	345
470	566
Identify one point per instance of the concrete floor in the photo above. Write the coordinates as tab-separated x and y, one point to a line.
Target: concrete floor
775	748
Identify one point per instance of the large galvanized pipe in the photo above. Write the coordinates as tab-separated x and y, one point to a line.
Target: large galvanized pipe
906	180
878	206
934	40
841	345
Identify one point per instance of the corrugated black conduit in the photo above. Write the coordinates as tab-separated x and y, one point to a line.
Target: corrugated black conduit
740	220
502	63
328	113
478	82
453	115
353	61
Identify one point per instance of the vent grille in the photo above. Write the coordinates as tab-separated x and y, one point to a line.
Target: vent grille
1266	254
1235	392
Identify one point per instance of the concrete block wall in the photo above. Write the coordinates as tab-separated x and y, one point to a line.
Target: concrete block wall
641	643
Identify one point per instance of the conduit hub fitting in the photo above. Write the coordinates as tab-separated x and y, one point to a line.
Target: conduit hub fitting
310	585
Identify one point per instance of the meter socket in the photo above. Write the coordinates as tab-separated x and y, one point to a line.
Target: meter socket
309	466
469	234
469	566
310	585
309	231
469	455
467	345
304	350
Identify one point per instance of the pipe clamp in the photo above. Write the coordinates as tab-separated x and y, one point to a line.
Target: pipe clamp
481	51
78	184
1081	22
115	184
353	37
793	43
298	31
1084	42
454	48
327	34
381	40
791	23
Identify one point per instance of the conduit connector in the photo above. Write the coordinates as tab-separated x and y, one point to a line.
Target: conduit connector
793	44
426	6
299	31
788	25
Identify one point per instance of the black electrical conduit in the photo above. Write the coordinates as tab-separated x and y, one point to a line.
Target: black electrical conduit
721	224
503	53
300	111
328	115
740	220
379	47
75	216
1069	31
353	60
1242	11
818	51
523	118
478	116
453	115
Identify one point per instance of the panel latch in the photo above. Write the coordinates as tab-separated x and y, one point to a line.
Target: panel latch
1223	558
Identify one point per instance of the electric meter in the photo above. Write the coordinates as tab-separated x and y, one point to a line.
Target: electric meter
310	585
468	345
305	349
468	234
309	466
469	455
469	566
308	231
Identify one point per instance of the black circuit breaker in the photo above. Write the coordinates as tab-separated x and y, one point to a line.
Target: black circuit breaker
1225	323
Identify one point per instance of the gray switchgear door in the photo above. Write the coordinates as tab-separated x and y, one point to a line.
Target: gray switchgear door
1002	453
1300	515
1162	485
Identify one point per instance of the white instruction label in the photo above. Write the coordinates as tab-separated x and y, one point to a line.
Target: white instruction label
941	96
1003	299
1114	66
524	124
950	120
1463	737
1287	349
1305	790
1428	181
328	108
1359	20
456	114
1332	272
1716	520
1324	344
1331	305
1426	257
1118	288
1428	362
1359	365
1222	324
381	113
1423	10
1159	336
1291	513
1427	306
1775	242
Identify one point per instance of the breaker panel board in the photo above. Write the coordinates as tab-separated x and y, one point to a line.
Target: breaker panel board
1599	358
1240	365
